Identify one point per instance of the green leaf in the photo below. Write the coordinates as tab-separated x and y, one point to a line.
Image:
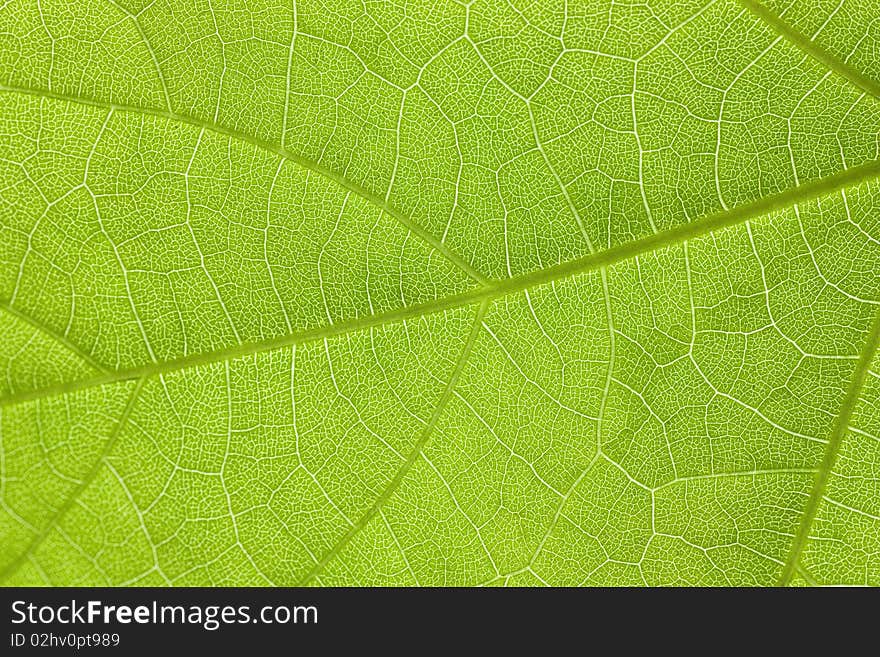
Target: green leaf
429	293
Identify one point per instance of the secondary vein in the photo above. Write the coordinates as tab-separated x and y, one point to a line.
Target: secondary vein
811	48
303	161
418	449
493	289
60	338
838	430
87	479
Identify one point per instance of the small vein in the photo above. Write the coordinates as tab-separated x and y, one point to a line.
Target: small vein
140	30
60	338
87	479
808	578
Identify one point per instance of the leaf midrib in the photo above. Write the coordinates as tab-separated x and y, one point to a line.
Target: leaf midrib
491	290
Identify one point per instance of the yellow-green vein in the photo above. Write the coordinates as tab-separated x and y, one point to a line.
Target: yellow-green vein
418	449
838	430
87	479
276	149
494	289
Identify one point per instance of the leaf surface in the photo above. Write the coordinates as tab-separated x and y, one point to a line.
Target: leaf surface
428	293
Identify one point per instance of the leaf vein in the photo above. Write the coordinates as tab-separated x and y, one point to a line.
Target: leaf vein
493	289
60	338
301	160
87	479
839	429
811	48
413	456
